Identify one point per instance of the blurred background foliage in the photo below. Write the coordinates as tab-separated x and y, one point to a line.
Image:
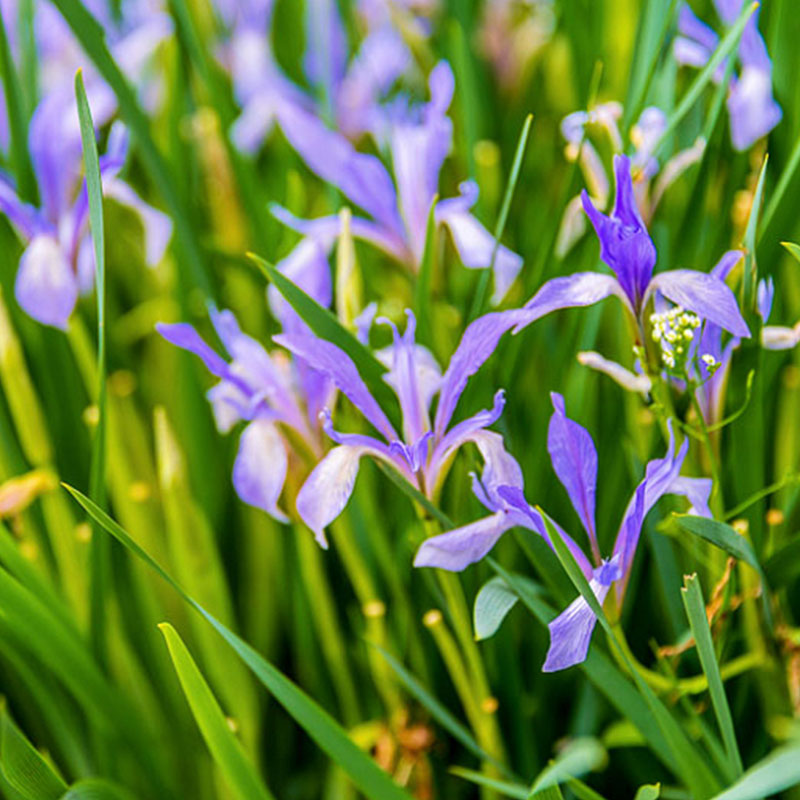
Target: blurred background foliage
313	613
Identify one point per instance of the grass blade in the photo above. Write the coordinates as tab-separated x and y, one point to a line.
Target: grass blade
696	613
370	779
99	552
726	538
225	748
516	166
438	711
515	790
579	757
22	766
728	44
778	771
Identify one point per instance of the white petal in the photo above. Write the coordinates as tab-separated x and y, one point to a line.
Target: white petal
259	471
328	488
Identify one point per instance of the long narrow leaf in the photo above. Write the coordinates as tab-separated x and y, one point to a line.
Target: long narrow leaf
728	44
319	725
696	613
99	553
778	771
726	538
581	756
226	749
23	767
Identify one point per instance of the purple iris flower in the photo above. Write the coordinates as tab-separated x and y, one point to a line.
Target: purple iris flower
626	247
422	453
266	391
419	141
751	106
354	90
58	262
133	37
574	459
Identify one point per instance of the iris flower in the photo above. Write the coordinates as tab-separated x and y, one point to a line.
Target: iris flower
355	88
626	247
751	106
423	452
58	262
265	391
651	178
574	459
419	141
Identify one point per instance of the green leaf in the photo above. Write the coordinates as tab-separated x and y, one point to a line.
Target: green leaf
728	44
650	791
691	768
423	287
750	265
438	711
579	757
516	166
99	552
493	602
96	789
792	248
582	791
24	769
515	790
780	189
370	779
325	325
696	613
26	624
778	771
651	36
225	748
726	538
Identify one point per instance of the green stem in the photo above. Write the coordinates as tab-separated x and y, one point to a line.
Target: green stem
322	602
372	607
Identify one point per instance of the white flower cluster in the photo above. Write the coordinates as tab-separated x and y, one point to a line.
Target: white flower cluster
674	330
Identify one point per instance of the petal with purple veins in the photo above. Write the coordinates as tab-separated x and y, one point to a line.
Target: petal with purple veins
574	459
571	631
571	291
705	295
479	341
184	335
329	359
328	488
